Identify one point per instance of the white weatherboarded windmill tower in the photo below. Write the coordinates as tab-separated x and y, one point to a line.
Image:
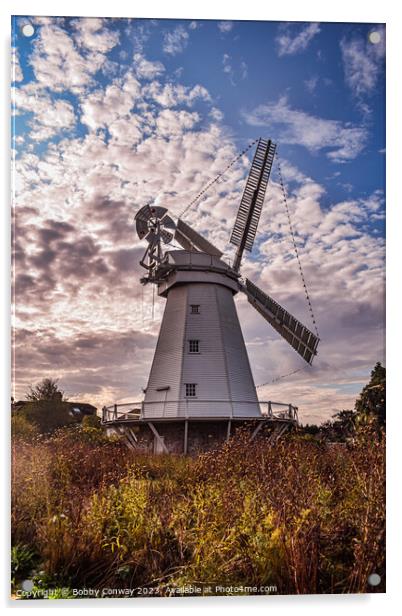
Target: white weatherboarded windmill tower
200	384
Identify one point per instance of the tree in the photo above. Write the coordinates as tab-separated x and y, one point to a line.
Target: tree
369	409
371	402
340	427
310	429
47	389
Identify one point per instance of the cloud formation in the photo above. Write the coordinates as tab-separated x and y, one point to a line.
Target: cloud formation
341	142
69	62
234	73
225	26
16	71
175	41
48	116
292	39
145	69
363	62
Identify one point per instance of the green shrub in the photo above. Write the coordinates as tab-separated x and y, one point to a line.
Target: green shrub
91	421
23	428
22	560
48	415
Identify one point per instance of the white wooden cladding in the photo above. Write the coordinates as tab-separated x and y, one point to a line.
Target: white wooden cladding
221	369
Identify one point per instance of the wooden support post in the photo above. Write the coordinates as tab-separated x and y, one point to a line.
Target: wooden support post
274	434
281	431
115	412
277	432
158	436
256	431
185	445
133	435
130	438
229	429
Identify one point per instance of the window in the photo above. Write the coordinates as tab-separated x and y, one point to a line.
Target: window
195	308
191	390
193	346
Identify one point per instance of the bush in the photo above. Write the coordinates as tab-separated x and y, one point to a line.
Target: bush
22	560
47	415
22	428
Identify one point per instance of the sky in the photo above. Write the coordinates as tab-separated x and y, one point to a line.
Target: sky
111	114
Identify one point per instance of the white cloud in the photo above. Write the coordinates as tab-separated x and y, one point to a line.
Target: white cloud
311	84
58	64
138	32
226	63
233	72
178	72
225	26
172	123
289	45
171	95
343	142
110	108
216	114
228	68
145	69
175	41
124	108
16	71
243	70
92	34
363	63
375	201
50	116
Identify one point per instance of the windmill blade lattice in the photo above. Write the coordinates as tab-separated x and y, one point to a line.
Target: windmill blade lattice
248	215
294	332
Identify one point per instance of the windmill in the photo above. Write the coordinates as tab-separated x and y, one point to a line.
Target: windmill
200	370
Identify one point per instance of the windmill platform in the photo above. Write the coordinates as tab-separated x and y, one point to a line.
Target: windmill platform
194	434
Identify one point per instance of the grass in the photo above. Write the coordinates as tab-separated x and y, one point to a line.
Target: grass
301	516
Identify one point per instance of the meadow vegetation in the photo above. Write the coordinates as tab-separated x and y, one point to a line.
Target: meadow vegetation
303	515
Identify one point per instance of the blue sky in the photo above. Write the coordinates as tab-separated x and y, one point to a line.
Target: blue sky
111	113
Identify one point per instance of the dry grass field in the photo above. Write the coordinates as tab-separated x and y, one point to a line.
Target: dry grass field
301	516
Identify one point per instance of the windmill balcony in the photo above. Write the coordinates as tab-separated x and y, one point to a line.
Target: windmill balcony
197	428
191	409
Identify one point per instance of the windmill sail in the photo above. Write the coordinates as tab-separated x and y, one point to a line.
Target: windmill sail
190	240
248	216
294	332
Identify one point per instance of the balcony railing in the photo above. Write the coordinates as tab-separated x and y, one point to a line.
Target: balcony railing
135	411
